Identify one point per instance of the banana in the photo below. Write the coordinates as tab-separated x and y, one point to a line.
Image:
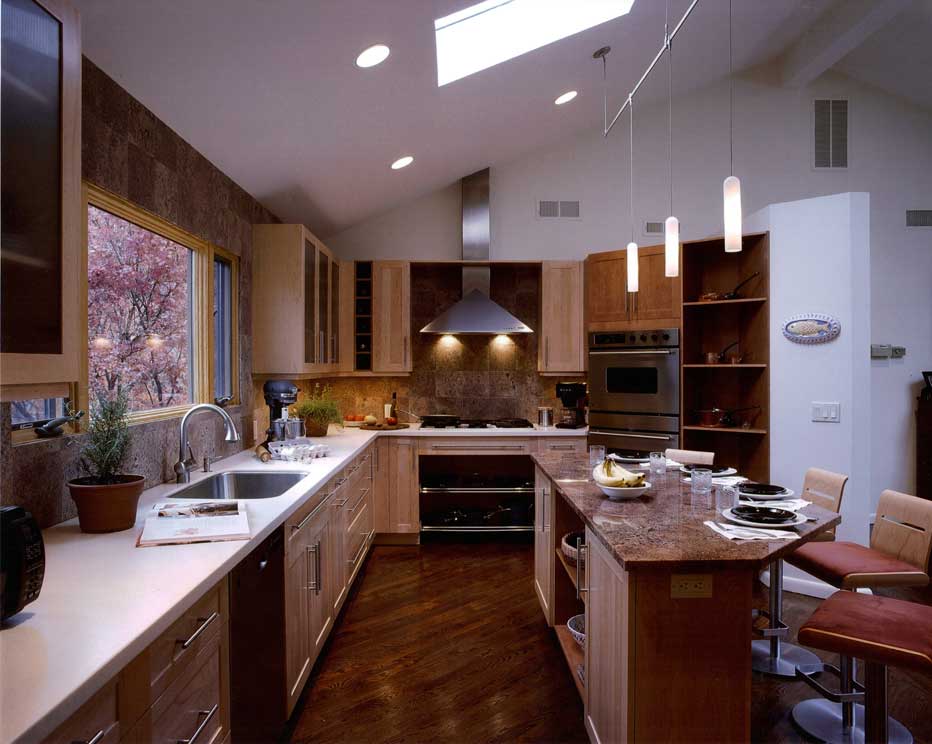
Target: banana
610	473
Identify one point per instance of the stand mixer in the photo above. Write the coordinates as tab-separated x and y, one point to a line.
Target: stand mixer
279	394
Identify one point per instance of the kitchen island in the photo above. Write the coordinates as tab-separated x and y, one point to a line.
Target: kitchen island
659	589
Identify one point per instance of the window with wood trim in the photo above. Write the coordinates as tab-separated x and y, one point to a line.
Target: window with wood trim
161	311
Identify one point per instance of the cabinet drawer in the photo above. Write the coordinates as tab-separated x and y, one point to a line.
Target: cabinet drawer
358	534
191	708
476	446
555	445
96	721
147	677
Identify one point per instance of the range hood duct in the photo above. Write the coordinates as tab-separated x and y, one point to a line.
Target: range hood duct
476	314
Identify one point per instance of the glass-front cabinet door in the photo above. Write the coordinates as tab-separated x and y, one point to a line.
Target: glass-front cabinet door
334	312
310	303
323	305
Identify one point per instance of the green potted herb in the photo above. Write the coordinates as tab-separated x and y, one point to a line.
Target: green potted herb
106	497
319	410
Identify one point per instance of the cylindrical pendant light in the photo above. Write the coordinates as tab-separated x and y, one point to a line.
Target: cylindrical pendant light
671	227
731	188
632	248
731	193
632	261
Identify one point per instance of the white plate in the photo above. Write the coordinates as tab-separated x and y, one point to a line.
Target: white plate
800	519
787	494
624	494
724	474
630	460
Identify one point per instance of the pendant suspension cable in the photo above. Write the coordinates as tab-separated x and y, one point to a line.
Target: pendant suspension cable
608	127
631	166
669	46
731	102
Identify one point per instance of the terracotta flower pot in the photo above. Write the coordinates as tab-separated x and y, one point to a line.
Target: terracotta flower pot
106	508
313	428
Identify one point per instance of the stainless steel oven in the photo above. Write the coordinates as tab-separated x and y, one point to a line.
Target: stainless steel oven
635	372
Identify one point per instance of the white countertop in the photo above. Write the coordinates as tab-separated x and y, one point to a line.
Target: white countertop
104	600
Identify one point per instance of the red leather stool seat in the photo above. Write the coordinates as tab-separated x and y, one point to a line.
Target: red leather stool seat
848	565
877	629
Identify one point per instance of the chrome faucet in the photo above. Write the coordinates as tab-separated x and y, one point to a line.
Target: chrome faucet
186	459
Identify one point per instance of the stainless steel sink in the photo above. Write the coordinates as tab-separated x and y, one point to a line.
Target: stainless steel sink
237	484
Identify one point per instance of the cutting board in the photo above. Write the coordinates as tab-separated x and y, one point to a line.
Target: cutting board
383	427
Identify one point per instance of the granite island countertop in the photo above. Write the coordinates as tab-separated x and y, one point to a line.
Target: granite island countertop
665	526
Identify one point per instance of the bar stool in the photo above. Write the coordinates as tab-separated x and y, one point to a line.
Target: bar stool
772	654
900	544
690	457
880	631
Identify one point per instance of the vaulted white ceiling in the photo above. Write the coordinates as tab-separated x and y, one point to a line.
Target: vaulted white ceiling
268	90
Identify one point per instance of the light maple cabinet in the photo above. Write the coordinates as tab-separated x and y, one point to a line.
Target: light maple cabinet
41	315
391	316
543	543
404	506
562	445
97	720
381	485
610	307
607	648
297	305
562	336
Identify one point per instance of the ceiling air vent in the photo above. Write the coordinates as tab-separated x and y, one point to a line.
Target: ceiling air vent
550	209
919	218
831	133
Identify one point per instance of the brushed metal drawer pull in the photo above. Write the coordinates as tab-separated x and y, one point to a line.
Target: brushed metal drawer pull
363	496
340	504
95	739
204	622
316	584
561	446
208	714
519	447
361	548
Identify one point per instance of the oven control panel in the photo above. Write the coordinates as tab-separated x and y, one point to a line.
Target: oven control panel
626	339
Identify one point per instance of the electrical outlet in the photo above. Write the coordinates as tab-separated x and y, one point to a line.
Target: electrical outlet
690	586
829	412
898	352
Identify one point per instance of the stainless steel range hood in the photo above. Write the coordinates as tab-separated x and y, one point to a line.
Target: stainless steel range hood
476	313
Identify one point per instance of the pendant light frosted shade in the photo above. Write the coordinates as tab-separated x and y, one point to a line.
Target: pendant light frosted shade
671	250
632	260
731	189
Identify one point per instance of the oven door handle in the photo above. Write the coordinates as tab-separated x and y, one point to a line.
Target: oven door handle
665	438
664	352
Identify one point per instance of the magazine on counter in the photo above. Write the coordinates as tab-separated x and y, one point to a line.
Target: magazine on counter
180	522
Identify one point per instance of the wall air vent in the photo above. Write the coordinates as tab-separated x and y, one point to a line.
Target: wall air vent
553	209
919	218
653	228
830	146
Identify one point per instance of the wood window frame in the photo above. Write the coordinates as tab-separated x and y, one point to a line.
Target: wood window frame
202	289
217	252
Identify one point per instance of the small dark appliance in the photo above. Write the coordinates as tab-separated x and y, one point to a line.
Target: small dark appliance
22	559
575	399
926	392
279	394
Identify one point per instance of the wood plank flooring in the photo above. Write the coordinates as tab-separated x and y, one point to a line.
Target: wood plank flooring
446	643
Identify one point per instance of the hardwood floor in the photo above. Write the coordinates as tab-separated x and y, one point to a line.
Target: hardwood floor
446	643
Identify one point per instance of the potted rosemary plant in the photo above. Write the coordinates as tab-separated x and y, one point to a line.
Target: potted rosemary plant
106	497
318	409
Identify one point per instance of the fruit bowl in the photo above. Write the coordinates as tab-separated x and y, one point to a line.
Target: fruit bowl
624	494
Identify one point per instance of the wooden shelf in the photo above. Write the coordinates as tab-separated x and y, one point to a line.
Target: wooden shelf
726	366
725	429
570	570
739	301
574	657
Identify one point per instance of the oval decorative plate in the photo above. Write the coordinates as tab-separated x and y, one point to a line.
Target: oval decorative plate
811	328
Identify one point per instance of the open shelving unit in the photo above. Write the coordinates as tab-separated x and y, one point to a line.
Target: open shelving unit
709	326
362	316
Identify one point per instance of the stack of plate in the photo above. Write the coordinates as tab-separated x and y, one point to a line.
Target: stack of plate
764	492
763	516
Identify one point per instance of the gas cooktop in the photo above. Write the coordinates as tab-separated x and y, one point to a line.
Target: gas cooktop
505	423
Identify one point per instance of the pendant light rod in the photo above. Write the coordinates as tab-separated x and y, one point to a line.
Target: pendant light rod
606	126
631	167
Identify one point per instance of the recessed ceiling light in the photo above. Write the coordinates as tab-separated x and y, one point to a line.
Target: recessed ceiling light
372	56
565	98
402	162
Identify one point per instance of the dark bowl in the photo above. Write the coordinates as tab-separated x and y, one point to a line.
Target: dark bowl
714	468
764	514
761	489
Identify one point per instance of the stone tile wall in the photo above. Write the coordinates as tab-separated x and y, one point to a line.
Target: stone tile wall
126	149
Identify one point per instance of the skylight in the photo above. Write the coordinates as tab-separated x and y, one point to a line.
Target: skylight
494	31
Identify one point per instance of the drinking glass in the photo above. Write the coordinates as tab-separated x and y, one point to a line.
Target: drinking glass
658	463
596	454
701	480
726	497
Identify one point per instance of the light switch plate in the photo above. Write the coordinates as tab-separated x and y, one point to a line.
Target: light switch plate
826	412
898	352
690	586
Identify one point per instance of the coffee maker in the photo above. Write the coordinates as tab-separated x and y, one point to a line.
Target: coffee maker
575	399
279	394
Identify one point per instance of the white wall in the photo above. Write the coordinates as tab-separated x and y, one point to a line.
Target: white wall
819	262
890	158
